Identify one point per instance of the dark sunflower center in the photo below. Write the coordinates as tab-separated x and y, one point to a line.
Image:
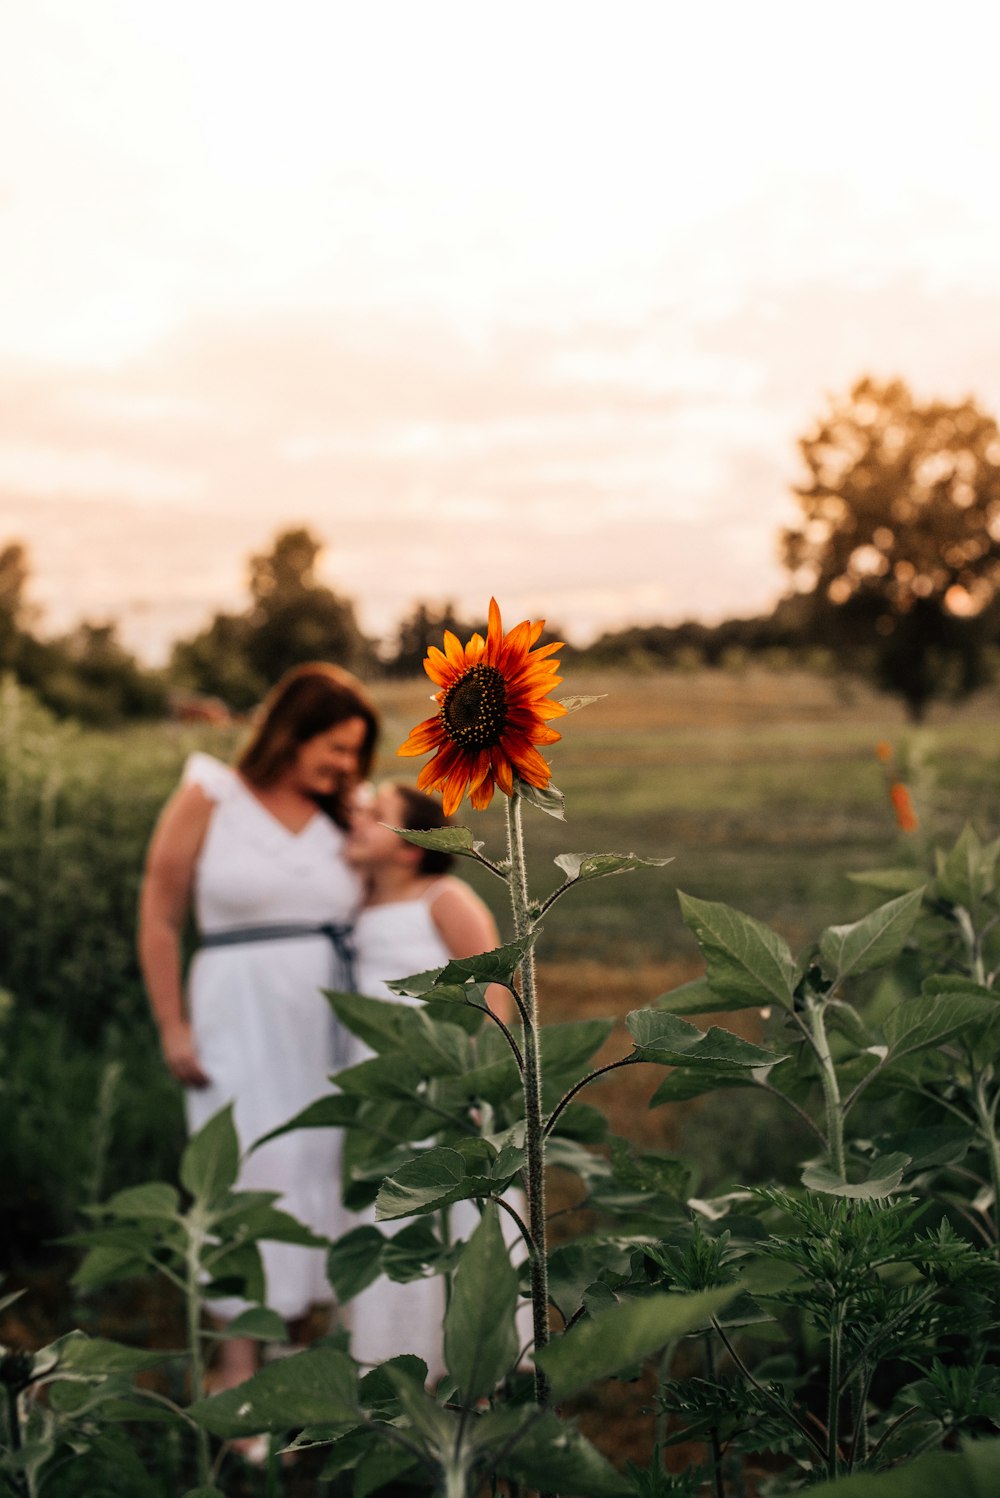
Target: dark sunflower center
474	710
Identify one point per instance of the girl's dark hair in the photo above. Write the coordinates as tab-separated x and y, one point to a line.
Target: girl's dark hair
307	701
422	814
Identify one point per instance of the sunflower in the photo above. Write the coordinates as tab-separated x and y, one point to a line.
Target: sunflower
492	708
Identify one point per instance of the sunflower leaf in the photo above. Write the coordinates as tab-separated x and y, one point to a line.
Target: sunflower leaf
574	704
672	1041
883	1180
550	800
580	866
457	840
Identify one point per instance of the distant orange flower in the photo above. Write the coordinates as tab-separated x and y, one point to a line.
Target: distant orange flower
883	751
906	817
493	706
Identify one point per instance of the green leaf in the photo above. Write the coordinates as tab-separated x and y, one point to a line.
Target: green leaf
953	984
380	1470
457	840
498	966
550	800
579	867
574	704
973	1472
436	1179
237	1270
105	1263
668	1040
555	1457
883	1181
315	1387
696	997
258	1322
872	941
688	1082
919	1023
436	1427
336	1110
204	1493
210	1162
96	1356
746	960
574	1267
260	1220
968	872
416	1251
623	1335
377	1389
155	1199
353	1261
433	1045
480	1336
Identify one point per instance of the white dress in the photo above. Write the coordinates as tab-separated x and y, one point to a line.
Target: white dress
265	1035
392	941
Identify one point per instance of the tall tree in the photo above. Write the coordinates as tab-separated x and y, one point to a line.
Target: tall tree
899	547
291	618
15	613
422	628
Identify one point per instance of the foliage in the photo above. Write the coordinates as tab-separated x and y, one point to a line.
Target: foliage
86	674
291	618
900	540
844	1323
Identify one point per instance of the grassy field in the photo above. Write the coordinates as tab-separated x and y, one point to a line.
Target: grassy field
763	788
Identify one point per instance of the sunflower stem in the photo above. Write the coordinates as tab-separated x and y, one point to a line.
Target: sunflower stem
532	1080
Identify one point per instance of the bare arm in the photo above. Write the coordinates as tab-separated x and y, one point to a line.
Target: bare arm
467	928
163	906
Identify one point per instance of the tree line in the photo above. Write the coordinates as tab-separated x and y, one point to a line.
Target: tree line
893	571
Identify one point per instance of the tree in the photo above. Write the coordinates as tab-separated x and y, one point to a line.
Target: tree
899	548
421	629
292	618
15	612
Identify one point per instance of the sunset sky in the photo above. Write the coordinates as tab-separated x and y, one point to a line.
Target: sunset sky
530	299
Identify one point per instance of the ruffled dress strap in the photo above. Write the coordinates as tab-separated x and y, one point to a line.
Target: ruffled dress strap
211	775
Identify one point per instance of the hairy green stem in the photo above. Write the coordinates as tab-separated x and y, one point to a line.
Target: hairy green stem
532	1081
831	1088
717	1482
193	1263
585	1082
986	1116
833	1402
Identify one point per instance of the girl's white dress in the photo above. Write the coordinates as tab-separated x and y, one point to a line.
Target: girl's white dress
265	1034
392	941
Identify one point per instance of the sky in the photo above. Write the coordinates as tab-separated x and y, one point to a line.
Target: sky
530	300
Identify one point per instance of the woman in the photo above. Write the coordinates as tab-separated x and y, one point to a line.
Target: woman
258	851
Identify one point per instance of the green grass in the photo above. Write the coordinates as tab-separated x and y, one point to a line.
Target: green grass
763	788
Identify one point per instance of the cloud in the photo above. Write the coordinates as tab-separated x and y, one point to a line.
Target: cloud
602	472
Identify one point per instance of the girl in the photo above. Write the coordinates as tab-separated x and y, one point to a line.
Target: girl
416	917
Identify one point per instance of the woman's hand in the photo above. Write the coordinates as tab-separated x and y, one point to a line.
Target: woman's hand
181	1055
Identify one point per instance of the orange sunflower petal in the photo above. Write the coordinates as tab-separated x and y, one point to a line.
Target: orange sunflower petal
502	772
427	735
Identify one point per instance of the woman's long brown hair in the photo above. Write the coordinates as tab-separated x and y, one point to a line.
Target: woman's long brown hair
307	701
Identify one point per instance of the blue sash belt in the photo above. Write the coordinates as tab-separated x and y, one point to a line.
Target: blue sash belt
339	938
